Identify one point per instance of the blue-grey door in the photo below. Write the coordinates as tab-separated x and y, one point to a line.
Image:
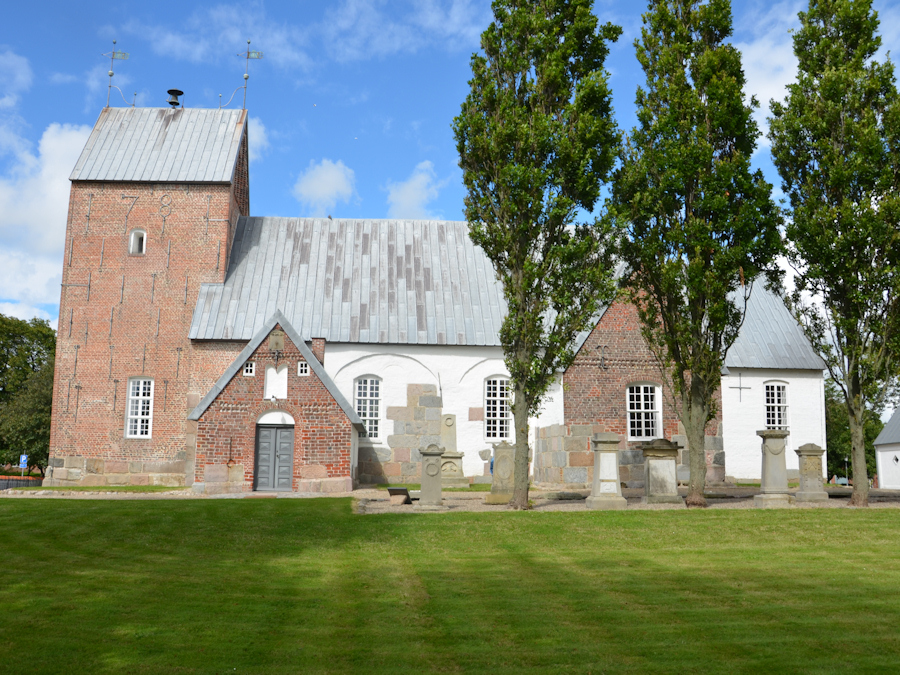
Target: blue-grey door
274	468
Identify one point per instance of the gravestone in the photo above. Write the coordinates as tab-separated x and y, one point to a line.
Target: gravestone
811	489
660	476
430	498
774	487
504	473
452	461
606	494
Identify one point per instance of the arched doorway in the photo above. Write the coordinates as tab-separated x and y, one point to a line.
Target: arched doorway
273	468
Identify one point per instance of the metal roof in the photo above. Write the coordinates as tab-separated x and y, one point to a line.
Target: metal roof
191	145
771	337
366	281
891	431
276	319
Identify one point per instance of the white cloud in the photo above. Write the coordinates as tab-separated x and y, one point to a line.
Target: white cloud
20	310
34	198
410	198
15	78
362	29
258	138
768	57
323	185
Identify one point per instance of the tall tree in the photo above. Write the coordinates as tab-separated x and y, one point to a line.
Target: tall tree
536	138
837	432
25	420
697	221
24	347
836	143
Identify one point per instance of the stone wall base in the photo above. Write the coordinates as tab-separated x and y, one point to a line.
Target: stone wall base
83	472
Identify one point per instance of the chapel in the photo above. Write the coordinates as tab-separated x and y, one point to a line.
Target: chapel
201	346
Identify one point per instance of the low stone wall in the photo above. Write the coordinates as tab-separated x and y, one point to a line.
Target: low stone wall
75	470
416	425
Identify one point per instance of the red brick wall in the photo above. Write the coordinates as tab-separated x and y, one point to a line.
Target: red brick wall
140	326
322	432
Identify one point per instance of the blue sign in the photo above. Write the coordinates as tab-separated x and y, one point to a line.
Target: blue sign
23	461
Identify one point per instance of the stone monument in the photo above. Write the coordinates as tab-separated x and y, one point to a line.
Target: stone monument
606	494
430	497
774	487
660	479
504	473
811	489
451	462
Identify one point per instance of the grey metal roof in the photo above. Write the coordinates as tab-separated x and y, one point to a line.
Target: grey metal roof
191	145
891	431
361	281
247	352
771	337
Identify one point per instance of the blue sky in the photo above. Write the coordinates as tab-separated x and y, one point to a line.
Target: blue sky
350	107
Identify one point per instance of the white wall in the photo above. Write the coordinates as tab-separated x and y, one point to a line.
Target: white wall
457	372
888	470
744	413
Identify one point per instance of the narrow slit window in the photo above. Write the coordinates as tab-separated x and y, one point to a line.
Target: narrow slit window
138	242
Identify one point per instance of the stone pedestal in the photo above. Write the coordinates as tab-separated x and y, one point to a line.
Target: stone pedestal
430	497
504	474
811	489
774	487
606	493
660	480
452	461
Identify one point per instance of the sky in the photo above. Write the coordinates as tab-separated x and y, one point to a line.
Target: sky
350	107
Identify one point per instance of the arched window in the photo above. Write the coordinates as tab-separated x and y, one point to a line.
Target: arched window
368	399
496	408
776	405
137	242
644	405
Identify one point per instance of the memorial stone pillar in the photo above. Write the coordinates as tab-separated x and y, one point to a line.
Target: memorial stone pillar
430	498
452	463
606	493
811	489
774	487
660	479
502	480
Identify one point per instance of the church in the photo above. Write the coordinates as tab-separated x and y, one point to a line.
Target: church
200	346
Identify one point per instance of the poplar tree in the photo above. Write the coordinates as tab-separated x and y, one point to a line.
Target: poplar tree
836	144
536	138
698	223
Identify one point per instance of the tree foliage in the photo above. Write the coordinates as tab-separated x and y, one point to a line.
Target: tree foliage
536	138
837	432
25	419
836	144
698	222
24	347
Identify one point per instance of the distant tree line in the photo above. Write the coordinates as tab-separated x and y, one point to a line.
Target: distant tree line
27	351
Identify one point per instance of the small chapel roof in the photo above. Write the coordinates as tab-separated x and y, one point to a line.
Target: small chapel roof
891	432
187	145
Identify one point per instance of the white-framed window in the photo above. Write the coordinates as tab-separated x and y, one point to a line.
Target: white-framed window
368	398
496	407
302	368
776	405
250	369
140	408
137	242
644	407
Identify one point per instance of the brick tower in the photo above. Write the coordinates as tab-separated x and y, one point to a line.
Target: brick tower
155	199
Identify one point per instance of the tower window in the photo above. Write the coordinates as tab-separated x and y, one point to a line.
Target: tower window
140	408
137	243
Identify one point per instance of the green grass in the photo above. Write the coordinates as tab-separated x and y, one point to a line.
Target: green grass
305	586
103	488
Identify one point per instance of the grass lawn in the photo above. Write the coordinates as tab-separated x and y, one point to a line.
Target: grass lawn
305	586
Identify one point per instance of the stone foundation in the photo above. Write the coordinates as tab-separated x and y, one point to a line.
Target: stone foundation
80	471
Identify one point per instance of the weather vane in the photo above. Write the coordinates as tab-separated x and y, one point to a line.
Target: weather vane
115	55
249	54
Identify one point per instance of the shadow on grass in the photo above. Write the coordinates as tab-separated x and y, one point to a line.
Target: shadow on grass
274	586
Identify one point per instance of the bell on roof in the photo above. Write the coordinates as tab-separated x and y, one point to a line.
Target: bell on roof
173	97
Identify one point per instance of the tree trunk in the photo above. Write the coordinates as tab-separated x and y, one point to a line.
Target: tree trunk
521	478
856	410
695	429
